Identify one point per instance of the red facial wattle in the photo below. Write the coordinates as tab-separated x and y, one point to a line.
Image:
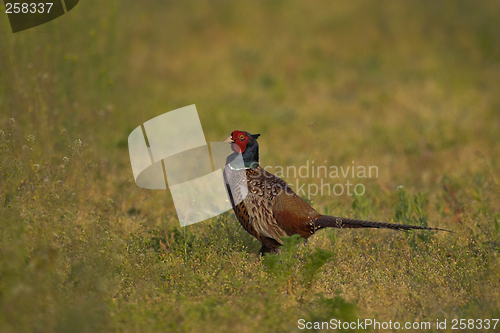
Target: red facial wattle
240	141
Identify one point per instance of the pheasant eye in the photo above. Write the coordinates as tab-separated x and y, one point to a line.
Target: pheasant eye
242	137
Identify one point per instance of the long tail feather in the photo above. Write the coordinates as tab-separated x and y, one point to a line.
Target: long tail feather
326	221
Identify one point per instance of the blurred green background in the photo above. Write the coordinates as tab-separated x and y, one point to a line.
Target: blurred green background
410	87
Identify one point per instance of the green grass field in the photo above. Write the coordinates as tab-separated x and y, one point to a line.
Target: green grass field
409	87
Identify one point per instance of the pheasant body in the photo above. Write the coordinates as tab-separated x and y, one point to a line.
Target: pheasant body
266	206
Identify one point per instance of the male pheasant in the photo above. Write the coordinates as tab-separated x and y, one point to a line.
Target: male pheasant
268	209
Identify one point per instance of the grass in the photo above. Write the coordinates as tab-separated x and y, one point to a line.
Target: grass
411	88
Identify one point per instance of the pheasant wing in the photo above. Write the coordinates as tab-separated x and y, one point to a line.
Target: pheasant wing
261	217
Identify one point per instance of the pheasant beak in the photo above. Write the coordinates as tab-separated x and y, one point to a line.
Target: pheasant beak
229	139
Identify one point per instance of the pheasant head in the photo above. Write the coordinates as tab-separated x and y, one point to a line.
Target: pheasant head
246	144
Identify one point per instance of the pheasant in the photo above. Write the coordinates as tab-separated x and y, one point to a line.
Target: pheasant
266	206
